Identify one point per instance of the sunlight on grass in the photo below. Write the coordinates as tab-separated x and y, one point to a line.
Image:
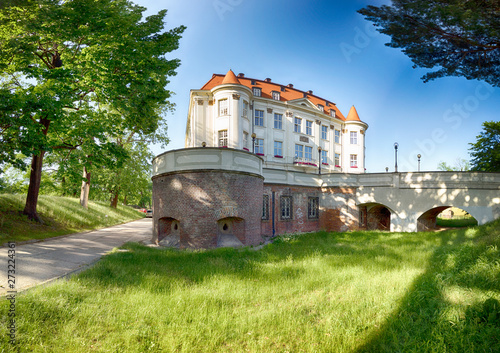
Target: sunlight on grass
61	215
320	292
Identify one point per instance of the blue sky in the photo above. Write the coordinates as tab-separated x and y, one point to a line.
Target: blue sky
327	47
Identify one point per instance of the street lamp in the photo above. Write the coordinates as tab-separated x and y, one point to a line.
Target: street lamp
396	145
418	156
386	169
253	141
320	161
203	144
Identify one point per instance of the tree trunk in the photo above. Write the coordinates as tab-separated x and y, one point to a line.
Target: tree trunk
114	200
35	178
84	194
34	187
125	200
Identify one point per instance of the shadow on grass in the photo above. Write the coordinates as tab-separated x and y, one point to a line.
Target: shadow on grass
429	319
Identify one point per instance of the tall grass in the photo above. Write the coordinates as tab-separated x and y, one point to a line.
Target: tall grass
322	292
61	215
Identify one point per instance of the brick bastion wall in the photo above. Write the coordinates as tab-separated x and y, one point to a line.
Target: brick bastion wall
203	195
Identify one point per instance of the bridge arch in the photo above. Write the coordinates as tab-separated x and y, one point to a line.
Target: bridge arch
375	216
427	220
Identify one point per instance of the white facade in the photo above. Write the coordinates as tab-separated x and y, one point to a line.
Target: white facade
293	130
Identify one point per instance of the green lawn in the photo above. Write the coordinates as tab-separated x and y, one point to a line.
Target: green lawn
321	292
61	215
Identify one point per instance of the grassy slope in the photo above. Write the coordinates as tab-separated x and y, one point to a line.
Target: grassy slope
61	215
339	292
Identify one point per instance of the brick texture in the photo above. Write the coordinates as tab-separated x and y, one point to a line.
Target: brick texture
200	203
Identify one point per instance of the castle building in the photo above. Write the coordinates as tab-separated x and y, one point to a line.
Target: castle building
260	159
289	128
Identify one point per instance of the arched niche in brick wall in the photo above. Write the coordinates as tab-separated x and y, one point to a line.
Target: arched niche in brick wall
230	229
169	230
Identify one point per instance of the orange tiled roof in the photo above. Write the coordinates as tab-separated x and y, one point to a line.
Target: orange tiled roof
353	115
287	93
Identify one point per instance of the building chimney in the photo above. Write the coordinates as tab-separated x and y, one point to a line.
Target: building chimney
290	85
310	92
267	79
241	75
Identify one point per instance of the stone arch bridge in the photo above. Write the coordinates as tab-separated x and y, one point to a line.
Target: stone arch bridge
202	196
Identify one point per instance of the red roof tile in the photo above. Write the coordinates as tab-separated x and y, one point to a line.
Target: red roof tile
353	115
286	93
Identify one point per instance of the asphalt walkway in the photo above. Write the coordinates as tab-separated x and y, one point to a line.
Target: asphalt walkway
44	261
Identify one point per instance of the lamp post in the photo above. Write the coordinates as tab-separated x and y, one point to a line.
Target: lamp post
319	161
396	145
253	141
418	156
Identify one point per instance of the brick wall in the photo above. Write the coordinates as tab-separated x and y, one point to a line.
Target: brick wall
337	210
199	200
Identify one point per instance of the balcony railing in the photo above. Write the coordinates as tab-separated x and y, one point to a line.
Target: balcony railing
305	162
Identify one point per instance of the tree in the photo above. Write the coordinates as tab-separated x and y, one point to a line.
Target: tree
485	152
461	165
64	64
460	38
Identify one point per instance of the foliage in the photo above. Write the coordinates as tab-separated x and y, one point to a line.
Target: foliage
77	74
61	215
485	152
461	165
321	292
460	38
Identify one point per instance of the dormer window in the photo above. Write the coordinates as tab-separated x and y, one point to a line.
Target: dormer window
257	92
252	82
332	113
282	88
276	95
320	107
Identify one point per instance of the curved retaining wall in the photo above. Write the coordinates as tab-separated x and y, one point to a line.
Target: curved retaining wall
204	196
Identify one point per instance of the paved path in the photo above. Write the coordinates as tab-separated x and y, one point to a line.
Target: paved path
37	263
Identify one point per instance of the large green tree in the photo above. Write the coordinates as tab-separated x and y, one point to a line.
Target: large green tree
485	152
458	37
74	73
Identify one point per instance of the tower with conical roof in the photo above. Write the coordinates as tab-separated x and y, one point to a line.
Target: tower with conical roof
354	142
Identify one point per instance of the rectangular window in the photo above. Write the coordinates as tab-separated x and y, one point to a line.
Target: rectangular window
257	92
337	136
354	138
354	161
324	132
324	157
276	96
278	149
223	107
245	140
313	207
265	207
223	138
259	117
337	160
286	207
278	121
299	151
245	109
332	113
320	107
259	146
297	125
309	130
309	153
